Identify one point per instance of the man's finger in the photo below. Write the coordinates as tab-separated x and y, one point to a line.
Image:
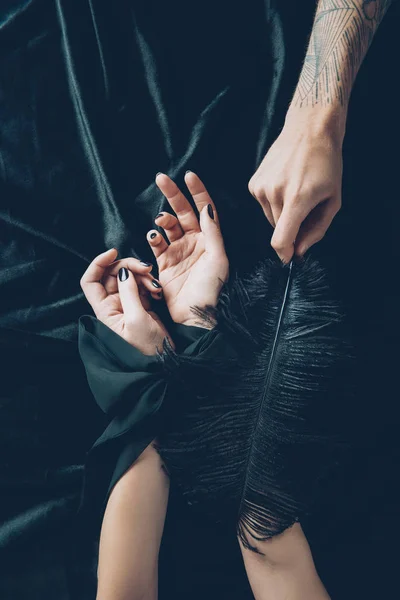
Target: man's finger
268	212
91	285
276	210
258	192
316	225
286	231
261	197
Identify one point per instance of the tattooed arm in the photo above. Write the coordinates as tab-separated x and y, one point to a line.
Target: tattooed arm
299	181
341	35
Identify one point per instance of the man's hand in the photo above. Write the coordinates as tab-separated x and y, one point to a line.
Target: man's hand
299	181
298	184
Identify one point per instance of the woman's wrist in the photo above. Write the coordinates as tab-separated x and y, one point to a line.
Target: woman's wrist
198	323
149	347
196	318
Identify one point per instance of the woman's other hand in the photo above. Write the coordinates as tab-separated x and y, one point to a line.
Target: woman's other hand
193	267
118	292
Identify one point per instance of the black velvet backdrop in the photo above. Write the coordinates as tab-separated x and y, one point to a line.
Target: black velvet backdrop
95	98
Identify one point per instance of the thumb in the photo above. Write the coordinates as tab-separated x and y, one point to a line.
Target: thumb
129	295
286	230
212	233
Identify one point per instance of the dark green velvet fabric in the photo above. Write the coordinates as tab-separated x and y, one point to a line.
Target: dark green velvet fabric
95	98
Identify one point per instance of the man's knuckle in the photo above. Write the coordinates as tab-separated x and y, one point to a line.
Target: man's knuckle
278	244
274	199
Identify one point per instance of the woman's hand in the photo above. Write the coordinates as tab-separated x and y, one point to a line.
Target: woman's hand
194	266
118	291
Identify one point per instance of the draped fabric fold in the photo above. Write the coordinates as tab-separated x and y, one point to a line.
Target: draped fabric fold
130	388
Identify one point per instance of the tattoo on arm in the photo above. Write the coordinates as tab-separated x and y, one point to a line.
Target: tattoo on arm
340	38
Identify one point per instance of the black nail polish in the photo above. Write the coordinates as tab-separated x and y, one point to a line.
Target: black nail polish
145	264
123	274
159	295
156	284
153	235
210	211
159	215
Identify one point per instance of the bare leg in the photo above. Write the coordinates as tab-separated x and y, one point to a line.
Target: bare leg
131	532
287	571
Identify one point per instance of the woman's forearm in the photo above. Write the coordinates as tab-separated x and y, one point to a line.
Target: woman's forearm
341	35
131	532
285	570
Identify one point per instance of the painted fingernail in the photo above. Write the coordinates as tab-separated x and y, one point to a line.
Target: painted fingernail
123	274
153	235
145	264
156	284
210	211
159	295
159	215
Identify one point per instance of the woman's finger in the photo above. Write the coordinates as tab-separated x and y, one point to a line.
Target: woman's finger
110	284
133	264
150	285
179	203
199	193
129	295
146	284
214	242
157	242
170	224
91	284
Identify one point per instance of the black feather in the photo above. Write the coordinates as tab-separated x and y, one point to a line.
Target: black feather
256	430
